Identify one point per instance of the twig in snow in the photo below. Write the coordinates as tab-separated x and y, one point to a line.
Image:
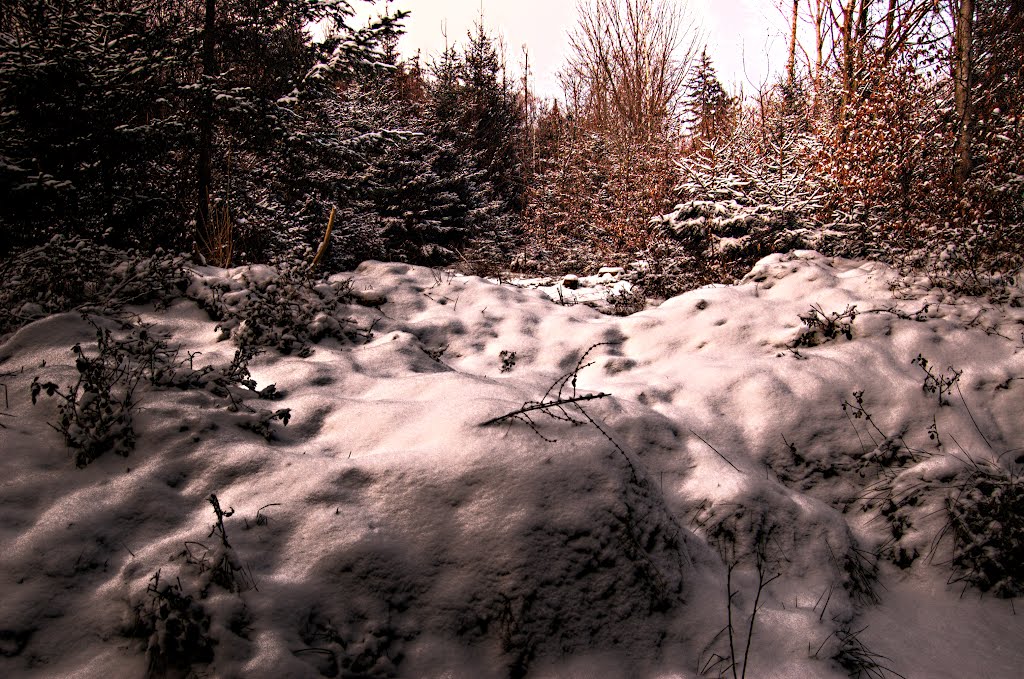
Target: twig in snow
716	450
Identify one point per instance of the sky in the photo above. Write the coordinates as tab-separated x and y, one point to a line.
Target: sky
744	37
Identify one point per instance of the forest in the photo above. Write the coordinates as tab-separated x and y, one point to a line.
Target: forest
229	130
320	359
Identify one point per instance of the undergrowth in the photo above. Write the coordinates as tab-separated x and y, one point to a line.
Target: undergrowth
985	511
284	307
176	627
171	617
820	327
96	411
850	652
68	274
982	502
95	414
218	564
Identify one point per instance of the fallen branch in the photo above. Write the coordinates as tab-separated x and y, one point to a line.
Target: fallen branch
541	405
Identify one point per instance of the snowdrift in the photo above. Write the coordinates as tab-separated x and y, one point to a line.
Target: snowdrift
776	446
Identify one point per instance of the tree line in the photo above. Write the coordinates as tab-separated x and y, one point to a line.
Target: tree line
235	128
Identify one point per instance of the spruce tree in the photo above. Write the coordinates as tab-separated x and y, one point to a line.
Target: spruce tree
710	111
418	197
87	128
116	116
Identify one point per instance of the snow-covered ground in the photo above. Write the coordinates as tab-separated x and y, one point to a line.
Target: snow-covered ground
386	531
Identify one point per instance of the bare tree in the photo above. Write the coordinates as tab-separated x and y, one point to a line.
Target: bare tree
629	65
791	62
962	87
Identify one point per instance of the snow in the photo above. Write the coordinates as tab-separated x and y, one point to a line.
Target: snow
400	537
571	289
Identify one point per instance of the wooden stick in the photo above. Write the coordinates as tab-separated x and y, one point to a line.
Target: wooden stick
327	237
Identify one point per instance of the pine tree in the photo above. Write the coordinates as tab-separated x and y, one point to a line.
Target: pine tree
86	130
996	186
418	197
710	111
494	115
476	107
116	116
283	140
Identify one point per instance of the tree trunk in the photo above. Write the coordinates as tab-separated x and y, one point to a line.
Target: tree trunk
818	10
962	89
204	171
861	38
791	65
890	24
848	54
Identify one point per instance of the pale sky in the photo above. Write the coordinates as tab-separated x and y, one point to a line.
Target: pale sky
744	37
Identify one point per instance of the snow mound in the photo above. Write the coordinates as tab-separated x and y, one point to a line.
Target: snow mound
770	446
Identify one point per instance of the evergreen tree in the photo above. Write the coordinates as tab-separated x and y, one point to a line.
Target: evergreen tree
709	111
116	117
87	132
493	113
476	107
283	140
418	197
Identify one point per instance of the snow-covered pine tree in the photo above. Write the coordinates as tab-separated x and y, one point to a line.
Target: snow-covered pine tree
418	197
474	106
709	112
748	193
494	116
88	133
284	138
996	185
107	110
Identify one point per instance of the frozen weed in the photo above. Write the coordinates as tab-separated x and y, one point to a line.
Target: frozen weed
983	504
856	658
565	406
627	302
261	518
887	450
761	549
985	519
261	421
860	569
96	412
176	627
508	361
820	327
218	565
939	384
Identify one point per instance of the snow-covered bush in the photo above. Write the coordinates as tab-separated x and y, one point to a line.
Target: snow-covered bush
669	269
730	230
175	626
283	306
96	413
70	273
820	327
986	521
741	202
